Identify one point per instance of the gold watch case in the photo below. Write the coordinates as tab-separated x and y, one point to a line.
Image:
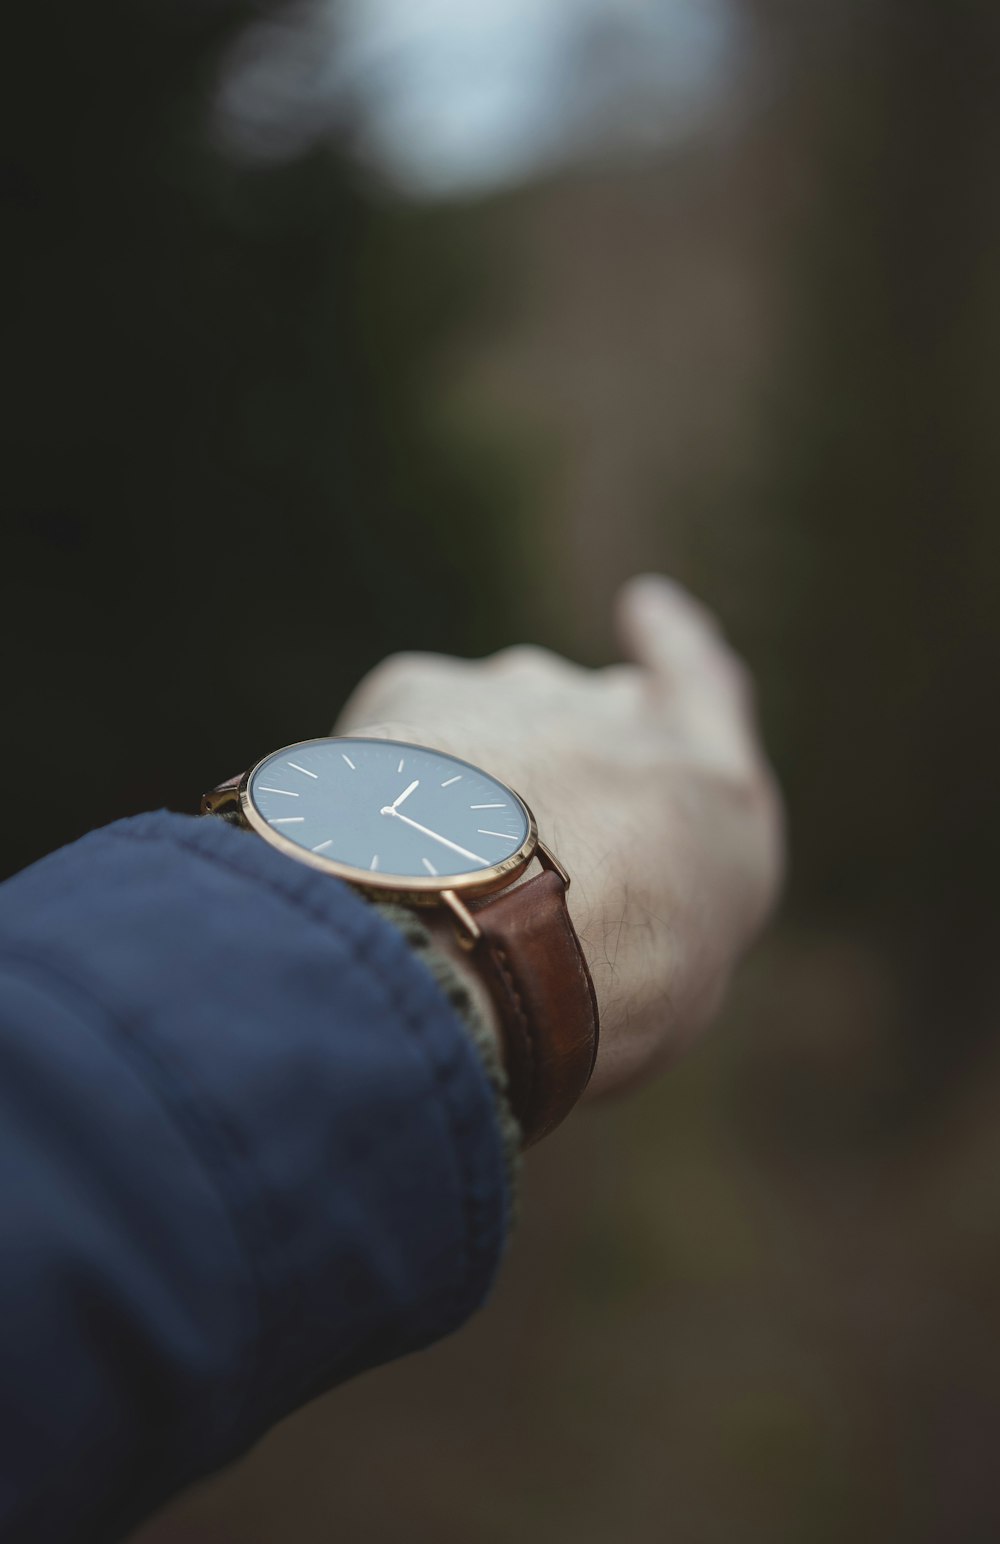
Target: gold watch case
409	890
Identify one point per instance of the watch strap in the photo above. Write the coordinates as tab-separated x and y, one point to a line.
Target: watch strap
530	958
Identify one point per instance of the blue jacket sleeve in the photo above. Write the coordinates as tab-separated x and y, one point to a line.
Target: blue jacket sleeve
246	1150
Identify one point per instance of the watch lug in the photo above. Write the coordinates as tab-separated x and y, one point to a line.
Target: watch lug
549	860
222	800
466	927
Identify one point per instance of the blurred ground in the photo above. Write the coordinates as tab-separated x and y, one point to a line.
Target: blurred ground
762	1300
723	1317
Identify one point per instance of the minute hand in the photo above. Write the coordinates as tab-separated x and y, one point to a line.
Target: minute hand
463	852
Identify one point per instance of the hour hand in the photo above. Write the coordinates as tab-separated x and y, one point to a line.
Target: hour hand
405	794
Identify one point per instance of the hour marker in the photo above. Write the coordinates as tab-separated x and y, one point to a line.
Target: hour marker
289	820
428	865
286	791
350	763
374	863
400	767
304	770
456	779
322	845
487	806
504	836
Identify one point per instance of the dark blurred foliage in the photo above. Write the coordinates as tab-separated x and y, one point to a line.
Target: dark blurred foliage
272	423
890	484
886	491
226	492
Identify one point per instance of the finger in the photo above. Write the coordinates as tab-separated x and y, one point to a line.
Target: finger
699	684
679	643
663	628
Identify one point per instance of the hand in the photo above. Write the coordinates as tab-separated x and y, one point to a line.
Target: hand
648	782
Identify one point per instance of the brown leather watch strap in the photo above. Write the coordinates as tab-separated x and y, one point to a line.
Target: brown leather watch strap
530	958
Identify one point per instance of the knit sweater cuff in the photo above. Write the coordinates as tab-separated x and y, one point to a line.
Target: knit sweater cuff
452	983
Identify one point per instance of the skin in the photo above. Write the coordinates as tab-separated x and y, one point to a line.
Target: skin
648	781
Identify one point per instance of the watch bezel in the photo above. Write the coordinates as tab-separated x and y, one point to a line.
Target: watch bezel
405	887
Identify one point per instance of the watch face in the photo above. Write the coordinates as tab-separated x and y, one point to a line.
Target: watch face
391	810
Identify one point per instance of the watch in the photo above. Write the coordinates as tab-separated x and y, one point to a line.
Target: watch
419	826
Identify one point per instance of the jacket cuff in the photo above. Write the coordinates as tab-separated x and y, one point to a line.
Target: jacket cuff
313	1068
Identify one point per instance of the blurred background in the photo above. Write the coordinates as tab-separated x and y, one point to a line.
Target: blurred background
349	326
